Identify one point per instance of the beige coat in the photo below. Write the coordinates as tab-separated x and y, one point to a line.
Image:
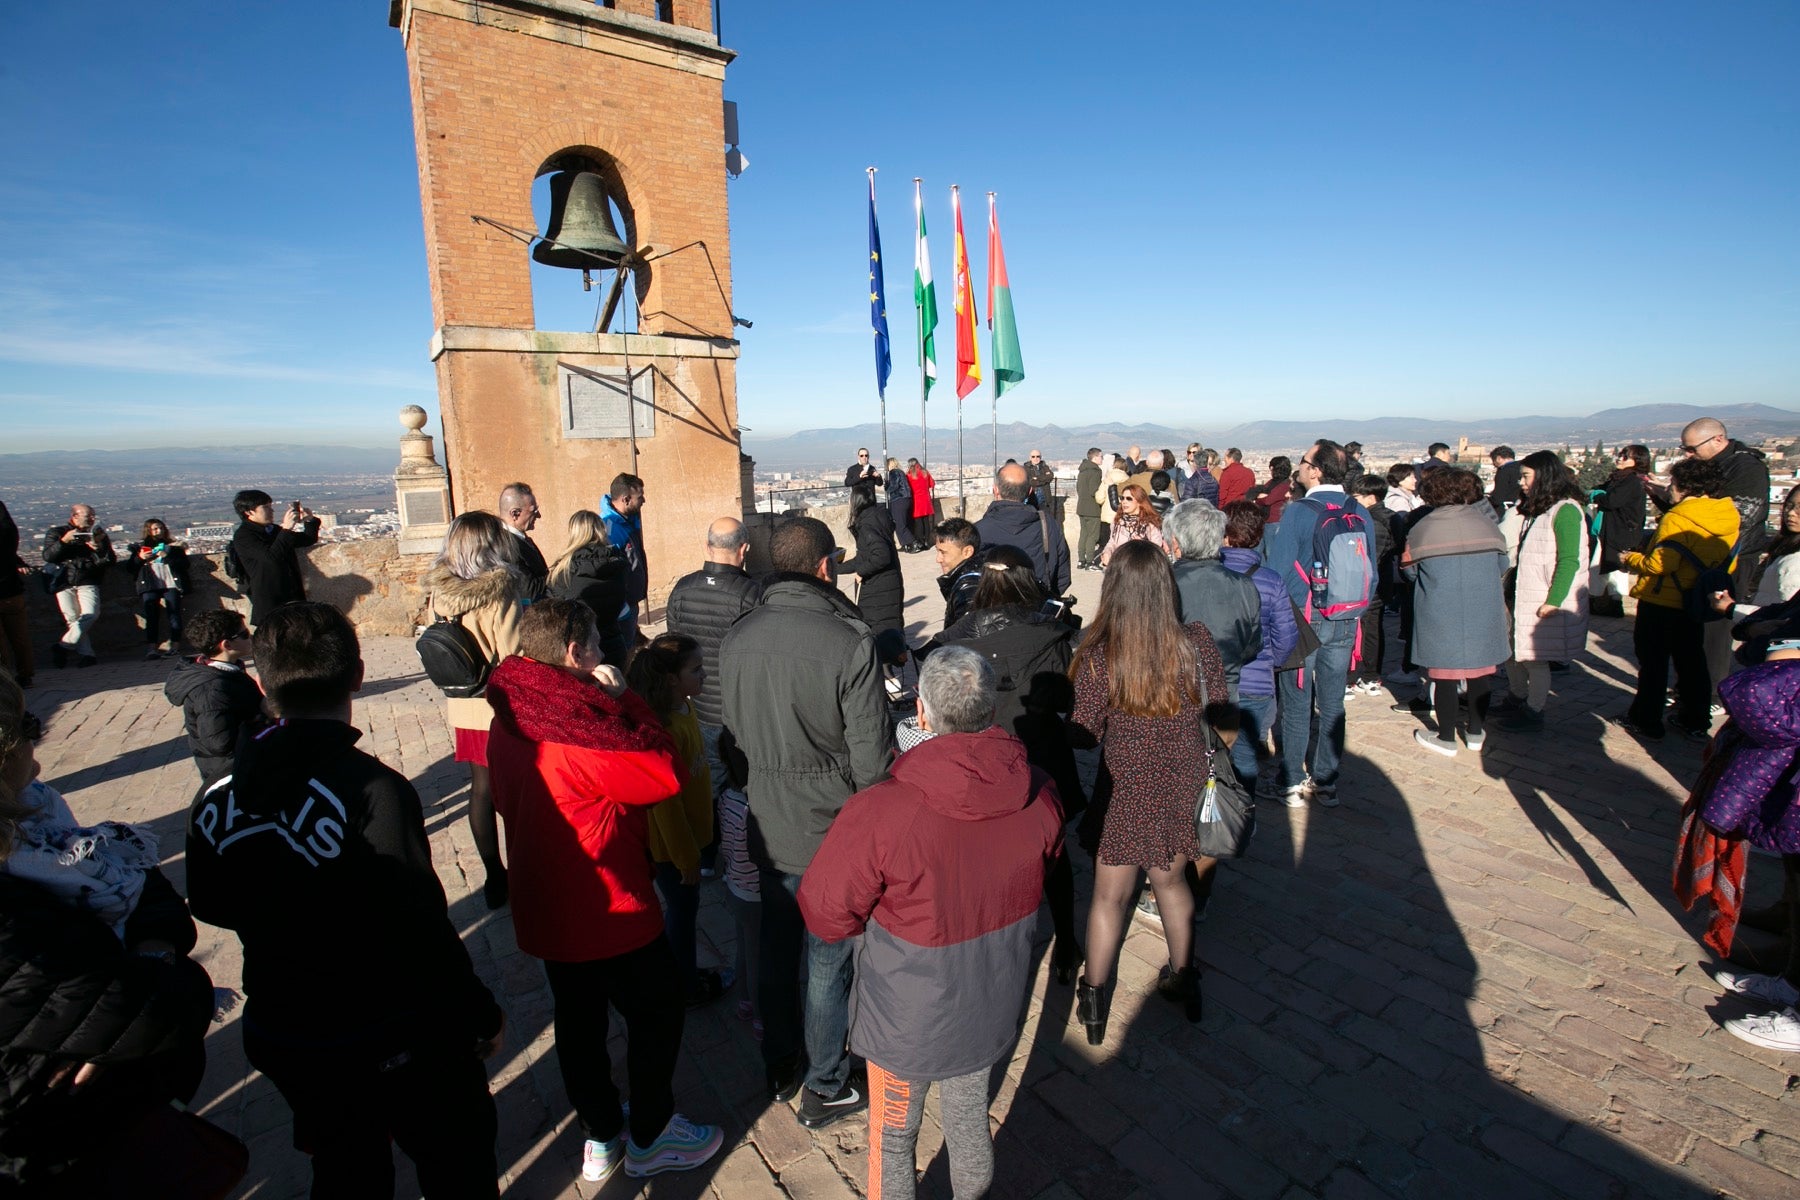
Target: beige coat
489	608
1563	634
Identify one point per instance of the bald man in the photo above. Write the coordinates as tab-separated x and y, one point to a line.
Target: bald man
518	510
703	606
1747	487
1010	521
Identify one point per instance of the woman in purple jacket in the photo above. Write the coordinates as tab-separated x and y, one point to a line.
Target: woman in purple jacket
1280	633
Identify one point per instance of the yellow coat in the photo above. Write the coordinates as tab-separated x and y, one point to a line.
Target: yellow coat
681	825
1706	526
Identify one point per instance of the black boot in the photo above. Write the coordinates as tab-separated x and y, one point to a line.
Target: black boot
1092	1004
1183	987
1065	956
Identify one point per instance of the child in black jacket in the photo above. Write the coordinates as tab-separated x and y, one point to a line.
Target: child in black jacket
218	698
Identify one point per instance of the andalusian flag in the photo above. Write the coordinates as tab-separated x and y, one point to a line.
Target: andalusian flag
1009	366
968	358
924	294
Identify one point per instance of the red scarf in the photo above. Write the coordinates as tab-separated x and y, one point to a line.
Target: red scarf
1708	866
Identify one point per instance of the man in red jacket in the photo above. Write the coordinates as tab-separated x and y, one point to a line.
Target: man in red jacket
1236	480
577	762
940	869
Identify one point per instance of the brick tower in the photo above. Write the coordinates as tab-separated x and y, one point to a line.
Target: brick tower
504	91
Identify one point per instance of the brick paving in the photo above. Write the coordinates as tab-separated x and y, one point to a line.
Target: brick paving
1469	980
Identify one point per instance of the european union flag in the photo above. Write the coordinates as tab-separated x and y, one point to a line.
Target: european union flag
884	362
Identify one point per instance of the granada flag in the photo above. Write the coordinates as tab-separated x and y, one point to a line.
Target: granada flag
1009	366
968	359
924	293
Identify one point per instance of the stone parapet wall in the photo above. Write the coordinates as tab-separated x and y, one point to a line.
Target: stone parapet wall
370	580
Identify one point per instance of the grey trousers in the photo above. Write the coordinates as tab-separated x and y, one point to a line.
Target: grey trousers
895	1108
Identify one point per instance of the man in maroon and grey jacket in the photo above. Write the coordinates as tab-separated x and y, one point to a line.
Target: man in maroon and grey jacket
940	868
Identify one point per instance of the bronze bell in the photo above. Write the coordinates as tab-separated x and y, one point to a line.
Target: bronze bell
581	219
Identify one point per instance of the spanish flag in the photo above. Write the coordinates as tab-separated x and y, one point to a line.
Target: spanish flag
968	358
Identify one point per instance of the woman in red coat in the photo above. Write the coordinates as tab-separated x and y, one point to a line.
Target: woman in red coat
921	482
577	762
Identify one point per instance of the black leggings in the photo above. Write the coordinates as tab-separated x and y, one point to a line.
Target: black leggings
1443	692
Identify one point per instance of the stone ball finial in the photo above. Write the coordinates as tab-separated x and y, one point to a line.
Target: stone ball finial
413	417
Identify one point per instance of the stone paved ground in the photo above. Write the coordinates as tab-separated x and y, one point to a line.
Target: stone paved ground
1470	980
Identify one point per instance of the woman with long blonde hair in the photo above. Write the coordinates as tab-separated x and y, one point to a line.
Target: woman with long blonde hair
477	583
1138	695
594	571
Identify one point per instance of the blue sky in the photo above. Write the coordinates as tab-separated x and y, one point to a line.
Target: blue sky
209	216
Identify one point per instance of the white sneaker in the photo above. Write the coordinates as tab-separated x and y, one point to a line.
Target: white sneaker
1475	741
600	1159
682	1146
1778	1030
1370	687
1295	796
1772	988
1352	691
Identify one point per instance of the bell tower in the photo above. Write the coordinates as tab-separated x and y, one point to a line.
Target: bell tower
621	103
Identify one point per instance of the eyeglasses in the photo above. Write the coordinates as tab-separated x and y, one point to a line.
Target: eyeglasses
862	456
1695	448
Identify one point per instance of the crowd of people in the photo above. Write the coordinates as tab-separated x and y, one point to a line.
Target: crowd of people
886	814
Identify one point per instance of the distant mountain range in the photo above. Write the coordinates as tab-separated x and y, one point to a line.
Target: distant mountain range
820	449
257	465
823	449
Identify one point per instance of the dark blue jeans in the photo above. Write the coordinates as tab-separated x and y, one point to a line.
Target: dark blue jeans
154	605
1256	717
1320	681
819	1019
681	908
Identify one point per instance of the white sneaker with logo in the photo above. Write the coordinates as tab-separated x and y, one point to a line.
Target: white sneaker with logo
1778	1030
1771	988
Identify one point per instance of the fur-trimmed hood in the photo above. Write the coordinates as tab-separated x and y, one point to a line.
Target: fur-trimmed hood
453	596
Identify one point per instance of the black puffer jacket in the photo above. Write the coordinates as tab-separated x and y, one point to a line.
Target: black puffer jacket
72	993
216	704
958	586
704	606
1747	487
82	562
1019	644
803	696
1624	505
599	576
882	593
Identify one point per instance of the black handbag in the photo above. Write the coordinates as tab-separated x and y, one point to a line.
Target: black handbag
1225	813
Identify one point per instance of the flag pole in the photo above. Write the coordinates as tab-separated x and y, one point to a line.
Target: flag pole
962	480
881	391
995	417
919	314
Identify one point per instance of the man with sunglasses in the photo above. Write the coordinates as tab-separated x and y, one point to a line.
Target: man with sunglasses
1746	473
863	471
